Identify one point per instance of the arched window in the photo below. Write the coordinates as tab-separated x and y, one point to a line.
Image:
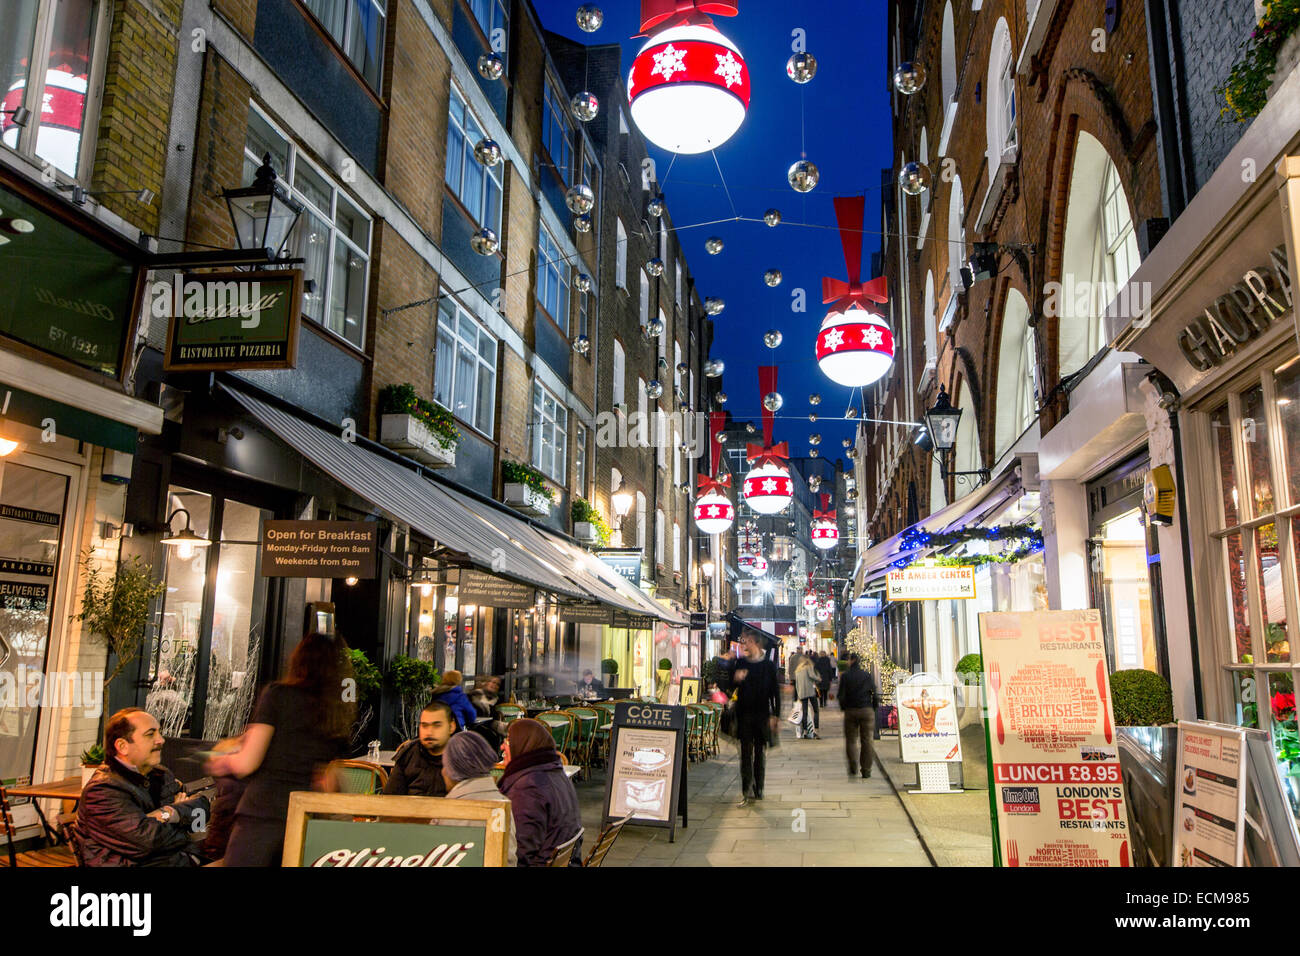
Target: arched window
1099	254
956	245
1000	100
966	451
949	41
925	147
1017	402
931	321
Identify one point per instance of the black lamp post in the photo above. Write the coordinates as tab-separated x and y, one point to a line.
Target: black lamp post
941	424
263	214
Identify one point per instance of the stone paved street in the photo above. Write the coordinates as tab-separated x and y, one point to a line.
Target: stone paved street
812	813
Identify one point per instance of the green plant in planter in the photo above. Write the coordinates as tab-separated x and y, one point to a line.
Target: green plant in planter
1247	86
583	511
93	756
414	681
115	606
369	679
609	668
971	664
665	664
710	672
516	473
403	400
1141	698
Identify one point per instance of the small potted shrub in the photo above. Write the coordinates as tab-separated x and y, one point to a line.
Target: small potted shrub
609	670
417	427
1141	698
90	762
526	489
588	525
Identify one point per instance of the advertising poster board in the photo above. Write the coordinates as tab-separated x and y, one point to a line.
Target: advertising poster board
939	583
927	720
1055	786
390	831
647	772
1210	804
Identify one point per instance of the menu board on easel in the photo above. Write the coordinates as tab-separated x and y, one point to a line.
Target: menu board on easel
647	774
1209	814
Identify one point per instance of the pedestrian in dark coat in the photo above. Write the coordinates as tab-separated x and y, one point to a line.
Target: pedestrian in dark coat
451	693
758	702
826	671
542	798
858	701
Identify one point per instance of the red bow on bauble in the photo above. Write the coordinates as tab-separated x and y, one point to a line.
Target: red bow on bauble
845	294
709	485
768	455
824	515
660	15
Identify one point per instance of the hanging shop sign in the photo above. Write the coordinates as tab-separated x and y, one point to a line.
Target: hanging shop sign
920	583
586	613
491	591
386	831
635	622
319	549
647	776
690	690
927	721
1210	812
230	320
1053	756
1159	493
626	561
866	607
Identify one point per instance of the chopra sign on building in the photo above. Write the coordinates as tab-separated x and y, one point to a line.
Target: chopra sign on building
921	583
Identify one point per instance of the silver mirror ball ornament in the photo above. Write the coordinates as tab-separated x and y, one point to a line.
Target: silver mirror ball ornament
654	388
909	78
487	152
801	67
803	176
580	198
915	178
582	223
772	277
721	399
772	217
590	17
773	401
655	267
491	66
714	305
772	338
655	208
713	245
584	106
713	368
814	399
582	282
484	242
582	345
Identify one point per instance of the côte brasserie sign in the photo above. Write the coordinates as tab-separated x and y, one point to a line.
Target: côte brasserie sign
230	320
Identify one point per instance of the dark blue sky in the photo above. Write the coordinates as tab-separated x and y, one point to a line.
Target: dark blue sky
842	120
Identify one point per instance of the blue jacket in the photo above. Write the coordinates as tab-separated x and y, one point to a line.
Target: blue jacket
460	705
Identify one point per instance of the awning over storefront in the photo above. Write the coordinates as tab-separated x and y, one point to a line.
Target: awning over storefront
490	538
969	510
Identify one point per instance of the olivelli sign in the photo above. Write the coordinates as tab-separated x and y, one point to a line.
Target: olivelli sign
1243	313
230	320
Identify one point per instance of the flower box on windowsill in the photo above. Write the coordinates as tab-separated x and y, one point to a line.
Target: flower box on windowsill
586	532
415	439
527	500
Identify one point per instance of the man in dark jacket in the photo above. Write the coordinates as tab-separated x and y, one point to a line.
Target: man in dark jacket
758	702
417	765
826	671
130	814
858	699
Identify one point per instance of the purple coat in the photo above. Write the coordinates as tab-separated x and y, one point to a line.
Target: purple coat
545	807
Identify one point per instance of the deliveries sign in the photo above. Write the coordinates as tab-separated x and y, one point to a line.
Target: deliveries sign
1055	766
921	583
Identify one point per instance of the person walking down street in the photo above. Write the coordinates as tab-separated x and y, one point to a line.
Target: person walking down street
857	695
826	670
451	693
542	798
758	704
792	666
805	690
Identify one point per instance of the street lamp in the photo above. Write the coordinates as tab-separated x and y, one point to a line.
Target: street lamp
185	540
263	214
941	424
707	567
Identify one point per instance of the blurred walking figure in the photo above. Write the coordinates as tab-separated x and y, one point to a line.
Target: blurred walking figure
826	671
858	699
758	702
805	689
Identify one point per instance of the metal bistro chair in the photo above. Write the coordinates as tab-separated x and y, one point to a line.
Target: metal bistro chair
560	725
564	852
53	856
68	827
359	776
692	722
601	735
585	721
605	842
715	721
697	723
508	713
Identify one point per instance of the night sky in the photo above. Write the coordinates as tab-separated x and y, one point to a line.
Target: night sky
840	121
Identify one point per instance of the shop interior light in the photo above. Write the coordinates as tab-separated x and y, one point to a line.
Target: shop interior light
7	447
350	581
185	540
452	604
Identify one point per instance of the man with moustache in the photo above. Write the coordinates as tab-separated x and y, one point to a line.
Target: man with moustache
130	814
417	765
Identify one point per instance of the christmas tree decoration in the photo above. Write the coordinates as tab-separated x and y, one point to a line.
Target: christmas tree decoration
801	67
584	106
487	152
582	282
655	207
688	88
590	18
814	399
580	199
823	614
810	600
855	345
484	242
803	176
772	277
491	66
772	217
582	345
773	401
909	78
582	223
713	245
768	487
772	338
714	305
825	532
713	368
714	511
655	267
915	178
654	388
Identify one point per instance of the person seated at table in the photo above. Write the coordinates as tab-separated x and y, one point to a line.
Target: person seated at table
452	694
486	695
417	765
133	812
467	764
590	687
542	797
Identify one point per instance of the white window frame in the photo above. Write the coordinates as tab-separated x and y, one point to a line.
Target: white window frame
492	174
678	299
643	300
459	314
550	431
347	29
640	519
677	546
660	530
580	460
502	6
551	261
620	261
555	113
620	374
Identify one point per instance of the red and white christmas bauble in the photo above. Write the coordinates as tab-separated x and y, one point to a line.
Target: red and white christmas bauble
823	613
62	111
745	561
688	89
714	513
825	534
855	348
768	488
810	600
758	566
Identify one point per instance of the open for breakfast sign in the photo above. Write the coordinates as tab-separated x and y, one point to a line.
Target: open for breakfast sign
1055	784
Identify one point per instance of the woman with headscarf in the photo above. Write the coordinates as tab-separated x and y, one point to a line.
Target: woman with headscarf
467	763
542	797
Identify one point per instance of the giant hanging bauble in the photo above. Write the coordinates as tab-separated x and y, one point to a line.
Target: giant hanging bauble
757	565
484	242
914	178
814	439
721	399
62	111
772	217
713	245
655	267
825	534
584	106
714	305
810	600
909	78
654	388
590	17
655	208
773	401
582	282
814	399
803	176
854	348
772	277
714	513
772	338
487	152
768	488
714	367
688	89
580	198
582	223
491	66
823	614
582	345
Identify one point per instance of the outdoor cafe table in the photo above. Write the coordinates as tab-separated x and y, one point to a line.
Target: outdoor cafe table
66	789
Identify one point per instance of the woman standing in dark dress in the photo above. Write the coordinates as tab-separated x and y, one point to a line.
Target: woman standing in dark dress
299	725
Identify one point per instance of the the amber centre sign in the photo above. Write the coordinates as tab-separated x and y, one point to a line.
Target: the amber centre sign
921	583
